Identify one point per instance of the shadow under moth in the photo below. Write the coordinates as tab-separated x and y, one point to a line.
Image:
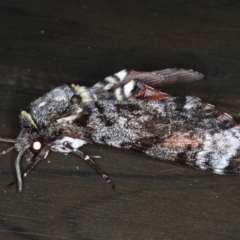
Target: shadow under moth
127	111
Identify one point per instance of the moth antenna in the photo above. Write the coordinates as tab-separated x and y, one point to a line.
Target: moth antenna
7	150
34	161
7	140
17	165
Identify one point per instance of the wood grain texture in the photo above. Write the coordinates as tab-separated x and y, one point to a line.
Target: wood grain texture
47	43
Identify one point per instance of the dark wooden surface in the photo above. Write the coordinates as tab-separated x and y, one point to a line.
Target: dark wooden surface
44	44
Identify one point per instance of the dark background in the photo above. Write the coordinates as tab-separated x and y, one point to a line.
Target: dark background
44	44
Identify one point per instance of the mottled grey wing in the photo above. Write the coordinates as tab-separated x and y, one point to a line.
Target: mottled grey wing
181	129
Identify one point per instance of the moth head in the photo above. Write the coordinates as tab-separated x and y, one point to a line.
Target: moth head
30	150
29	136
41	124
30	143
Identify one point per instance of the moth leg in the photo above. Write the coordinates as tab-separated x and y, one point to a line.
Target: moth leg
7	150
29	169
12	183
32	166
87	158
95	167
95	156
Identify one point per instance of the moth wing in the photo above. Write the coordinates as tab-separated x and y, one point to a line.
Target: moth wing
164	78
181	129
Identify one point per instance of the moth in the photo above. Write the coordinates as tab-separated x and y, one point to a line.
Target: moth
127	111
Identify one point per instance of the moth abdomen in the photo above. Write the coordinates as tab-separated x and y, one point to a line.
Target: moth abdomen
112	80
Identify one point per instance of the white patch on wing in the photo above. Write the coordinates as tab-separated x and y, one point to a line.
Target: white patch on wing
42	104
67	119
122	74
221	147
59	98
226	114
191	103
74	143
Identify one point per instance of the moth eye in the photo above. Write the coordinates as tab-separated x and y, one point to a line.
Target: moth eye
36	146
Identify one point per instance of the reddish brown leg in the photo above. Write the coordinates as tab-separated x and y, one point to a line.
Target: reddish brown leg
92	164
